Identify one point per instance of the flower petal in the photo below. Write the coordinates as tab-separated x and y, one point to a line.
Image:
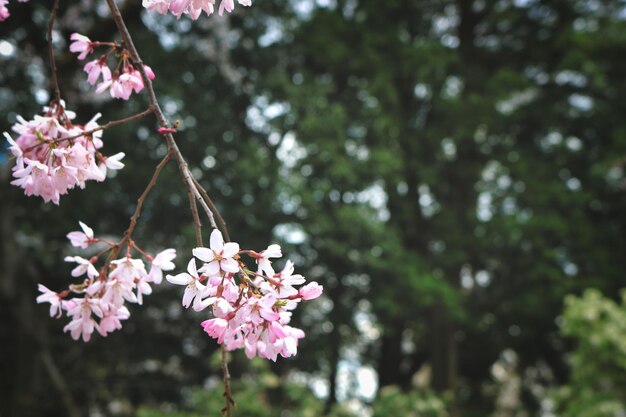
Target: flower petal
217	241
229	265
191	268
230	249
180	279
204	254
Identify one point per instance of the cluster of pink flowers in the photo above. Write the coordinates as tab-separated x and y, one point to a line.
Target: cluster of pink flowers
251	310
53	155
192	8
98	302
4	10
122	82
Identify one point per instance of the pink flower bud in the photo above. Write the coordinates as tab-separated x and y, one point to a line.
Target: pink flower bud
311	291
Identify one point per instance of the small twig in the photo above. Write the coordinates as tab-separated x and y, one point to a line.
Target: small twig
102	127
112	123
193	189
196	218
53	65
227	394
59	383
143	196
126	237
214	210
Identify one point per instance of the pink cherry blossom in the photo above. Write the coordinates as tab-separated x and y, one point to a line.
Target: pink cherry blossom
83	323
84	267
103	292
311	291
111	321
263	259
283	283
52	156
122	86
123	81
219	256
192	8
81	44
112	162
161	262
194	288
81	239
216	328
95	69
250	310
4	11
51	297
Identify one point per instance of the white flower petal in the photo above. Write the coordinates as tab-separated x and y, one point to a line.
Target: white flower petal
204	254
211	269
190	293
230	265
191	268
230	249
217	241
88	231
180	279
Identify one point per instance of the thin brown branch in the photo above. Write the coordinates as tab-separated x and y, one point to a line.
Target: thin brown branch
220	220
127	40
59	383
102	127
227	393
127	237
112	123
53	65
143	196
194	190
196	218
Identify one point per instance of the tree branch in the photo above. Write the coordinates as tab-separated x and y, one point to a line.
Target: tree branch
101	127
214	210
196	218
143	196
53	65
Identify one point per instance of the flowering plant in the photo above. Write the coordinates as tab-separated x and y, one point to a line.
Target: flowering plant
251	306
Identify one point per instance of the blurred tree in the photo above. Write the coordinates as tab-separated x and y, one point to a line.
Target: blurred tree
597	385
458	168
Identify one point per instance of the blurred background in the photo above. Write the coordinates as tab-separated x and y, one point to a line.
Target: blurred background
451	171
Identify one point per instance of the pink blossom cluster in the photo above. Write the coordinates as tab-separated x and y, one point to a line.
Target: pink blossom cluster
98	303
192	8
122	82
251	310
4	10
53	155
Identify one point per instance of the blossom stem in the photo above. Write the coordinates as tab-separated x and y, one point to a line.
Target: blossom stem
107	125
194	190
112	123
103	251
227	393
53	65
143	196
220	220
108	242
196	218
